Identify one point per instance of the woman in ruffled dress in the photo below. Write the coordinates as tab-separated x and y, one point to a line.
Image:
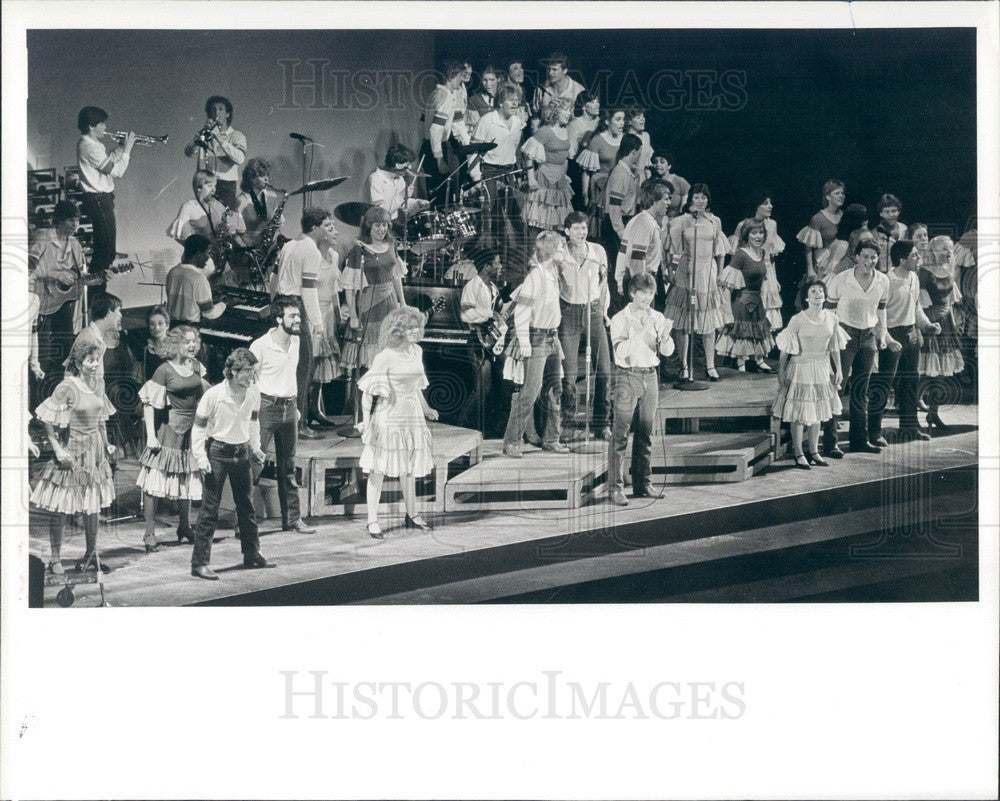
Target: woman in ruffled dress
809	372
397	440
587	111
941	354
774	245
598	159
157	326
822	228
550	196
373	285
167	466
326	361
698	246
635	124
749	335
78	480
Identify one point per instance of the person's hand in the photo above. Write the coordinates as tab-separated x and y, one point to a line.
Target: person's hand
532	182
205	466
935	328
33	450
354	323
259	455
442	166
607	321
783	378
36	370
112	450
63	456
152	442
838	380
129	142
893	345
431	414
526	352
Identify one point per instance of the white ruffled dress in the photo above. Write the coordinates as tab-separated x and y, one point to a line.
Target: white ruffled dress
811	395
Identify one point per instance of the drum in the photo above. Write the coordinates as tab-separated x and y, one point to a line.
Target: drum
460	224
426	231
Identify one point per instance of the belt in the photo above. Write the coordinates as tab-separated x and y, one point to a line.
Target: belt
228	447
636	369
547	331
498	166
275	398
593	302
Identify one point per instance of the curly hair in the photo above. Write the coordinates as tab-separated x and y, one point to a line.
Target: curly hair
397	322
172	344
254	168
747	227
550	112
237	360
800	297
81	350
546	245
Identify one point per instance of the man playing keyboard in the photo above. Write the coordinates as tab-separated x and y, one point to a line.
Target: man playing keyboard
189	295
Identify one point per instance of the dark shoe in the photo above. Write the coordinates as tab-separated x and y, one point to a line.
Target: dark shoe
300	527
571	436
375	531
90	563
152	548
255	561
554	447
534	439
617	497
512	451
906	434
816	460
204	572
320	420
864	447
802	463
713	374
833	453
934	421
880	441
417	522
185	534
309	433
649	491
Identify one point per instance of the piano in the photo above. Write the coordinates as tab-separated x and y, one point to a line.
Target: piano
247	317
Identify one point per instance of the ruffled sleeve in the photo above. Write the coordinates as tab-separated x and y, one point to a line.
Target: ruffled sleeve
721	243
588	160
351	278
55	409
108	410
534	149
153	393
376	380
424	383
810	237
925	299
732	278
788	339
775	244
839	339
399	268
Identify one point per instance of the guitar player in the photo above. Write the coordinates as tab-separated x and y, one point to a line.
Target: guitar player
56	260
489	405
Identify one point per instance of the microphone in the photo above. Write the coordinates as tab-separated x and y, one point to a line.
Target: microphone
300	137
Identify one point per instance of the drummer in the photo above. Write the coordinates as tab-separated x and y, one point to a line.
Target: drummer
391	187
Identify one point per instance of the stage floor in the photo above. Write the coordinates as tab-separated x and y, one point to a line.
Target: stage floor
341	548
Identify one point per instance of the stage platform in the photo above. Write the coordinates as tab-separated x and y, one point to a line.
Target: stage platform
693	545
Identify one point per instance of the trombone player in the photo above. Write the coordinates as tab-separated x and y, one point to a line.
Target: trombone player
220	148
98	170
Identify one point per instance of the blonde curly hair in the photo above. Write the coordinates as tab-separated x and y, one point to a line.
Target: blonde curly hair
397	322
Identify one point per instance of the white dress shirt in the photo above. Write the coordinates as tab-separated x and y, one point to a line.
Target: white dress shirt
221	417
276	365
98	169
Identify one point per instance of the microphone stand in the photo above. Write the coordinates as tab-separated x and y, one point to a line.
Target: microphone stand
588	445
350	431
688	384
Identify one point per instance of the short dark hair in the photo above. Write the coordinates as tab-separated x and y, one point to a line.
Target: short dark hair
630	144
375	214
854	217
65	210
90	116
641	282
195	244
219	99
451	68
888	200
102	305
238	359
398	154
800	296
867	243
900	252
555	57
281	304
313	217
484	257
660	153
575	217
700	189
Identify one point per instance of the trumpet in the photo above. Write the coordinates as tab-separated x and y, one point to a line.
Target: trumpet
140	139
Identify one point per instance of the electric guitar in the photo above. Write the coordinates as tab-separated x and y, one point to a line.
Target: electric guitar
54	292
492	334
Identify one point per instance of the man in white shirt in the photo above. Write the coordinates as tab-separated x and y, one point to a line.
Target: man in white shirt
559	84
438	119
277	355
220	148
391	186
98	170
224	438
641	247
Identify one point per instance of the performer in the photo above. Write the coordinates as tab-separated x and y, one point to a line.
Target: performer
941	353
859	296
103	331
698	246
774	245
635	124
489	405
397	441
905	319
460	129
189	295
618	203
639	336
206	215
78	480
749	335
485	100
98	170
326	360
583	292
439	119
558	86
56	259
277	354
587	116
837	256
822	228
256	204
220	148
641	249
373	286
523	84
550	195
167	467
224	439
889	230
391	186
808	394
536	326
150	350
661	166
598	159
299	265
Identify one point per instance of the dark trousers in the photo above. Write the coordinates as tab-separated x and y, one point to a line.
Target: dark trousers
637	391
232	461
901	368
279	419
572	329
611	242
100	208
857	360
541	377
303	372
500	210
489	404
55	337
225	193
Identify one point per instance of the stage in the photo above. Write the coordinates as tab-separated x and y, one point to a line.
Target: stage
529	548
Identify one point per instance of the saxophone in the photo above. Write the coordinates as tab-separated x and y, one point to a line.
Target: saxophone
263	250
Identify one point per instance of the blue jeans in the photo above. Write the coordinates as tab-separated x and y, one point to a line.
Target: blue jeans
857	360
637	391
279	418
572	329
232	461
100	208
541	377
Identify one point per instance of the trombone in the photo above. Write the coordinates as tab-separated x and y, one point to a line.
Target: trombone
140	139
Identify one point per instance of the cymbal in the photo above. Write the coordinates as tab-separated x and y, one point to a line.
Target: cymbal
351	213
422	246
320	186
476	148
413	174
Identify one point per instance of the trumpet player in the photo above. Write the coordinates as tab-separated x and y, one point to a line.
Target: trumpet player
98	170
220	148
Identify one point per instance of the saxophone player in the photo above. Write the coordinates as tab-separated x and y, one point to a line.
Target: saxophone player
206	215
256	204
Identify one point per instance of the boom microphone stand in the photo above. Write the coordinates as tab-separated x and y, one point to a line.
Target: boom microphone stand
688	384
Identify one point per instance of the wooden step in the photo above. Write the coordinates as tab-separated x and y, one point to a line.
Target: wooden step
710	458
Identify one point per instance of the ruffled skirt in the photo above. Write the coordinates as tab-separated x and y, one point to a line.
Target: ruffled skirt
810	396
770	293
170	472
377	300
397	440
749	335
548	205
941	354
708	315
85	486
